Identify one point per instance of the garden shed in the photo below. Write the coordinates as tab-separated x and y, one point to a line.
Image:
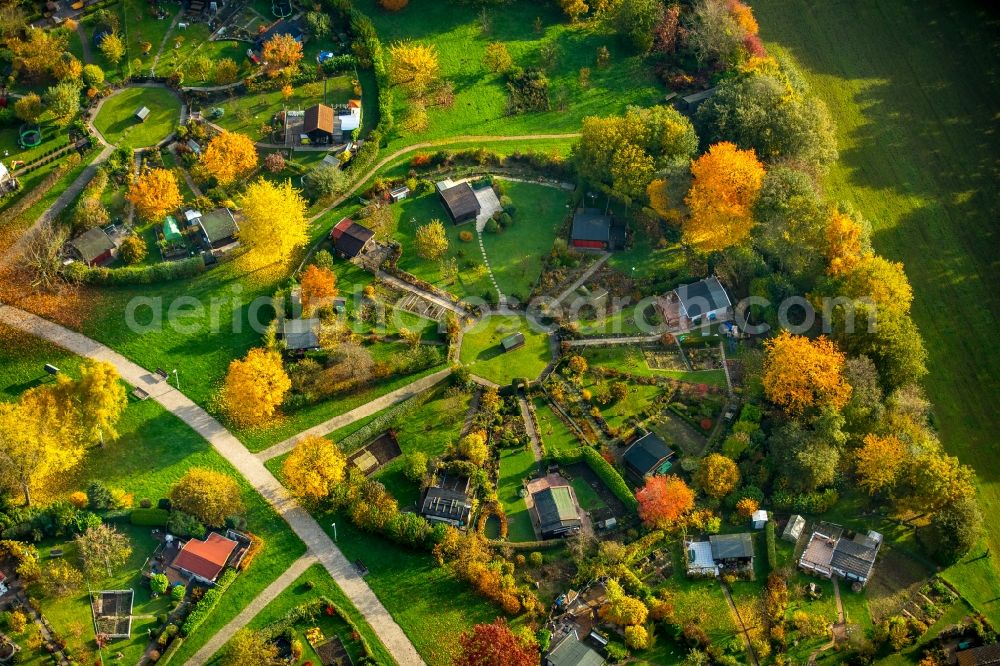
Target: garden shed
591	229
571	651
448	502
318	123
732	549
219	229
350	239
648	456
301	334
704	299
142	113
459	200
93	247
205	560
793	528
512	342
555	508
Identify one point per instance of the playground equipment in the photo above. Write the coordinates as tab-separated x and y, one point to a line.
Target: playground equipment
29	136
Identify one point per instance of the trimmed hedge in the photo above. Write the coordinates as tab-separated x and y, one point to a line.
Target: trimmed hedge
208	602
166	271
149	517
772	552
603	469
551	544
382	422
171	652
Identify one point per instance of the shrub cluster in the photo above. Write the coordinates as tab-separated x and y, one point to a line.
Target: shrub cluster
166	271
208	602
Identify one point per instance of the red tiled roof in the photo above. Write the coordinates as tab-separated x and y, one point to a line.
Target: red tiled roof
205	558
342	226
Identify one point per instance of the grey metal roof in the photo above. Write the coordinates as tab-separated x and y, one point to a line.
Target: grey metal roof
556	510
446	503
92	243
571	651
590	224
301	334
219	225
731	546
702	297
856	557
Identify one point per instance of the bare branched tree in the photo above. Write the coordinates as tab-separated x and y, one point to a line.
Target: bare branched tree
42	257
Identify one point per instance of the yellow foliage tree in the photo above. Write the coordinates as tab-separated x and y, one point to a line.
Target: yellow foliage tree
112	47
38	52
274	220
254	388
229	156
717	475
39	439
882	281
658	192
726	181
413	65
574	9
844	244
473	447
313	469
209	496
746	506
879	462
318	284
101	401
431	240
67	67
154	193
497	58
282	52
621	609
801	373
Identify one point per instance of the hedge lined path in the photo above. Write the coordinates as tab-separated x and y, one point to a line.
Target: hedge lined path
250	611
377	405
317	542
422	293
628	340
583	278
742	628
529	427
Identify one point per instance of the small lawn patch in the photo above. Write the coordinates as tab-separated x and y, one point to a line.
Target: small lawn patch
515	466
117	122
482	353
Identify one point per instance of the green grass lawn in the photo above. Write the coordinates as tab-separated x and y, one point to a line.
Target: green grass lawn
314	583
914	93
516	254
246	113
481	99
586	496
116	119
515	466
619	412
153	451
554	433
482	353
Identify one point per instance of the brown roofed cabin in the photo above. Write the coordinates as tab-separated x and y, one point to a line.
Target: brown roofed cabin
205	560
459	200
93	247
350	238
318	124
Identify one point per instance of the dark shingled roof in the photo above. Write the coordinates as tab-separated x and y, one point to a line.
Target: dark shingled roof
301	334
731	546
446	504
590	224
319	117
350	238
646	454
856	556
702	297
92	243
461	201
556	510
986	655
571	651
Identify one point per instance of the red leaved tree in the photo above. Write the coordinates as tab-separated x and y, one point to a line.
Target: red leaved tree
664	500
495	645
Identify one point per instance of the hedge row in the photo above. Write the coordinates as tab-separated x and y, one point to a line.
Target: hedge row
171	652
149	517
166	271
382	422
604	470
772	551
208	603
528	545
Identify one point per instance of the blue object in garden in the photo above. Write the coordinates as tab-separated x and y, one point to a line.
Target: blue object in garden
324	56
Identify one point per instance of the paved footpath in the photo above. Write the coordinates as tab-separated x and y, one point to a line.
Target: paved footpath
337	422
249	612
305	526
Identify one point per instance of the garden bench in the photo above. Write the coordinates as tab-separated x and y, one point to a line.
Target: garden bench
360	566
161	375
140	394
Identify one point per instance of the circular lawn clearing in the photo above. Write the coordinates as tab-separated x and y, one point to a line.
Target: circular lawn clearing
116	120
483	354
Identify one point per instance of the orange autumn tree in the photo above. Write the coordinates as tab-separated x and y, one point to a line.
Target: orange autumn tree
254	388
879	462
726	181
846	244
663	501
229	156
282	52
800	373
318	284
154	193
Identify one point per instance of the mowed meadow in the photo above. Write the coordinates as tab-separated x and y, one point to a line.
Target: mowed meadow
914	88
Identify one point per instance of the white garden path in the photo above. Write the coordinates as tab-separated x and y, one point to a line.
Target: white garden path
318	543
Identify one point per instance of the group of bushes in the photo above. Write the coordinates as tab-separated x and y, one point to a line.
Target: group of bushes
307	613
814	502
552	166
166	271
